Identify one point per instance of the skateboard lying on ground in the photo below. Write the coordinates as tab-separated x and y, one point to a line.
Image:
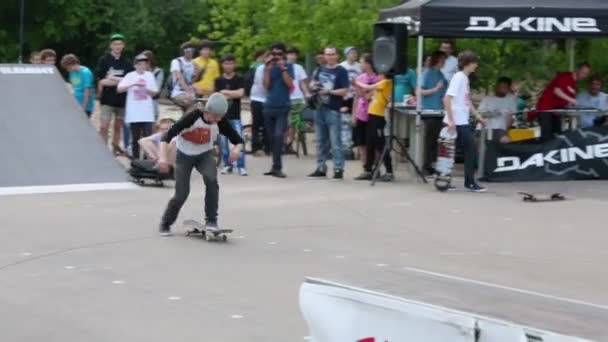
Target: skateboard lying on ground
144	172
446	153
194	227
541	197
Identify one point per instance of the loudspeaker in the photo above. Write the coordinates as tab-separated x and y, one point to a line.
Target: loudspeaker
389	51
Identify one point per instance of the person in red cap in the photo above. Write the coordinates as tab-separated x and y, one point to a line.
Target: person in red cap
559	94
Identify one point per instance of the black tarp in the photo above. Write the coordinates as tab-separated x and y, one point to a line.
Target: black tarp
502	18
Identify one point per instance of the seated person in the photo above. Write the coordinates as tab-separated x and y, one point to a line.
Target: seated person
504	103
592	98
150	145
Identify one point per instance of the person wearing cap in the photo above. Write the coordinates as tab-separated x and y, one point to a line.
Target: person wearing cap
182	77
140	86
195	133
207	69
354	70
111	68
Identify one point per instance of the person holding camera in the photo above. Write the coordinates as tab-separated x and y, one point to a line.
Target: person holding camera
278	81
331	84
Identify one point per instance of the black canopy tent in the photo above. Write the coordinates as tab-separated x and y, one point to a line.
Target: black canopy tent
536	19
502	19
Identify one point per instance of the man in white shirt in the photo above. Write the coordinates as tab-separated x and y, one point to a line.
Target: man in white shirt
451	63
297	97
503	103
458	108
592	98
182	73
354	70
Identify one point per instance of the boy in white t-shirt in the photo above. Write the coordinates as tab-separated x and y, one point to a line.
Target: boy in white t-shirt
140	86
458	107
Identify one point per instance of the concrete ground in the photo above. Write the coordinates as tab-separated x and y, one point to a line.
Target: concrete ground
91	267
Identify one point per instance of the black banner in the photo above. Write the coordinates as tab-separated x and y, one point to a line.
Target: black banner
575	155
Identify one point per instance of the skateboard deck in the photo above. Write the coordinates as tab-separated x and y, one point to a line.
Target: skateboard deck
148	181
194	227
446	153
528	197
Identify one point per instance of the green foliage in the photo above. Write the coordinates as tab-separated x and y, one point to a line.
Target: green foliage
243	26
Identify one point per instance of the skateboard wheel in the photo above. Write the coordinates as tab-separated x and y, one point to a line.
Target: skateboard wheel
208	237
224	238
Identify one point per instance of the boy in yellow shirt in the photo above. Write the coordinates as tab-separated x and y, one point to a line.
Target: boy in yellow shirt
207	70
375	128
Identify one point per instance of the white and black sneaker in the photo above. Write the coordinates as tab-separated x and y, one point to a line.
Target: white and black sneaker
226	170
212	226
164	230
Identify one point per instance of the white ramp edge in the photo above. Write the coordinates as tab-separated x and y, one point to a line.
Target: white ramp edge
339	313
47	189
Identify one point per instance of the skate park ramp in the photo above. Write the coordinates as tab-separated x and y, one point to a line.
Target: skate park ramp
48	143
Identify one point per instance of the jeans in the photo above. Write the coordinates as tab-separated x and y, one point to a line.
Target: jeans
275	124
225	145
126	135
258	139
550	125
138	131
327	128
375	144
205	165
432	129
466	142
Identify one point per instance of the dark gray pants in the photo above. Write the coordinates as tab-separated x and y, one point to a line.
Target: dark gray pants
205	165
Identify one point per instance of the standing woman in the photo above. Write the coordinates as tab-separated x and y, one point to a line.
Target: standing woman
159	76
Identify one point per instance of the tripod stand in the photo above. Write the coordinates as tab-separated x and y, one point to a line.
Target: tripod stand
388	145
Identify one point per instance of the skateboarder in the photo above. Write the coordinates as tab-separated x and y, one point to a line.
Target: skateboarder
196	132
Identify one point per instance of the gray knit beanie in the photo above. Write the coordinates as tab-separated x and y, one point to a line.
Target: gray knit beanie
217	104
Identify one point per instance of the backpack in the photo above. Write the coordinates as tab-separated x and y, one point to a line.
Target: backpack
170	83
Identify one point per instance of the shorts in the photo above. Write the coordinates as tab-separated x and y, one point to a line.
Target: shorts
107	112
360	133
184	101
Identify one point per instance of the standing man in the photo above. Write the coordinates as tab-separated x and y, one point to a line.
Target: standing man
278	81
559	94
48	57
332	82
451	63
112	67
298	96
257	95
353	68
207	70
82	81
458	109
182	73
232	86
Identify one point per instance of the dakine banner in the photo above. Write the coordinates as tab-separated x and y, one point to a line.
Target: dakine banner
575	155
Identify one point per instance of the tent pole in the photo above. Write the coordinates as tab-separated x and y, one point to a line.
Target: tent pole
418	129
571	52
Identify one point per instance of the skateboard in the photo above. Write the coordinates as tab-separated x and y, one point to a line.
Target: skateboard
446	152
143	173
194	227
527	197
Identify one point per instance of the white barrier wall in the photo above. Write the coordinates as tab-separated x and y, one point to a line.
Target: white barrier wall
339	313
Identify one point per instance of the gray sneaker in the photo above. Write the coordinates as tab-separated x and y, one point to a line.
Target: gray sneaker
212	227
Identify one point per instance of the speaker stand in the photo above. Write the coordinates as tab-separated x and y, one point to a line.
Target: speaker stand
390	139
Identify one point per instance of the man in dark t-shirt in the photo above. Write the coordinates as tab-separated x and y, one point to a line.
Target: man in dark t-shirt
278	81
232	86
111	68
332	84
